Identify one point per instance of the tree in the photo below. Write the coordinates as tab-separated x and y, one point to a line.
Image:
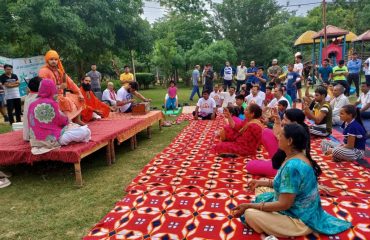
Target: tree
166	55
241	20
217	53
186	29
188	7
81	31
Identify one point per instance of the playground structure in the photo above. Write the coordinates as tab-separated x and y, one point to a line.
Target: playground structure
340	44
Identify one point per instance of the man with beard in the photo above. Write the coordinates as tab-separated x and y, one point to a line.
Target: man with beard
70	98
125	97
94	108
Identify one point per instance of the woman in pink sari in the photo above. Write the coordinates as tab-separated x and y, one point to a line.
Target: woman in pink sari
242	137
49	127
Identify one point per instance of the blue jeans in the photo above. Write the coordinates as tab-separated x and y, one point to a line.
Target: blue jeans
292	93
367	77
365	115
195	90
171	103
227	84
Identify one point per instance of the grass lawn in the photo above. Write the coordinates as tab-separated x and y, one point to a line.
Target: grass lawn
43	203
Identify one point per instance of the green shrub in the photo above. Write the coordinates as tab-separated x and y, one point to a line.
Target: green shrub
145	79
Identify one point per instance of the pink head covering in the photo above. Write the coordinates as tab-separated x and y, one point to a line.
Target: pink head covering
47	89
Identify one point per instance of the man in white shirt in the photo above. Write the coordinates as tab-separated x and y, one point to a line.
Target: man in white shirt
367	71
227	73
241	74
217	95
125	98
229	97
109	95
364	100
254	97
279	95
337	103
298	68
206	107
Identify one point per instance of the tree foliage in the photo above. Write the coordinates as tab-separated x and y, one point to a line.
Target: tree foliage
82	31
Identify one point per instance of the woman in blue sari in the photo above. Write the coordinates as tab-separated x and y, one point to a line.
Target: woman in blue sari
293	207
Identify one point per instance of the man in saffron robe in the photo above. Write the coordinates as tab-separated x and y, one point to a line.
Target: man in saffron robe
94	108
70	99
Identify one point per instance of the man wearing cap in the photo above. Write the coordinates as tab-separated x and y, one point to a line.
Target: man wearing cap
274	71
70	98
354	68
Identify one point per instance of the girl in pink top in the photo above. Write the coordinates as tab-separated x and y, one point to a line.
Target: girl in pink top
172	94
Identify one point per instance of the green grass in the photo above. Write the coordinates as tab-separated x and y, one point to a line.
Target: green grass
44	203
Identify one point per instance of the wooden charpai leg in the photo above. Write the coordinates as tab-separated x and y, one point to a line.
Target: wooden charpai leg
149	132
78	174
135	141
132	142
112	152
109	153
160	124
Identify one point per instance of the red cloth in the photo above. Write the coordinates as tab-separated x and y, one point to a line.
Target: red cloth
13	150
269	97
244	144
187	192
92	103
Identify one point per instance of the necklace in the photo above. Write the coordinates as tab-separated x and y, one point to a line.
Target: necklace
292	155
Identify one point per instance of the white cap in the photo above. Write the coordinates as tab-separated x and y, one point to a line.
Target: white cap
298	54
274	60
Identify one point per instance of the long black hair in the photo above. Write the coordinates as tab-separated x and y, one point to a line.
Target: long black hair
300	138
294	115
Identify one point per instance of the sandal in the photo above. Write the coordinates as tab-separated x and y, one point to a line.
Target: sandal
5	175
4	182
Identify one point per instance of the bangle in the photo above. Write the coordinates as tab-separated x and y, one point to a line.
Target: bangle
261	206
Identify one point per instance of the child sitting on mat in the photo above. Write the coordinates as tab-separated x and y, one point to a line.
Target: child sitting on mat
240	106
354	143
206	107
172	93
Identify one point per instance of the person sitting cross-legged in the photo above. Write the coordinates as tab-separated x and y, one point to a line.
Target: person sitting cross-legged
33	87
206	107
242	137
320	112
354	143
94	108
171	97
337	103
109	95
290	205
49	128
125	97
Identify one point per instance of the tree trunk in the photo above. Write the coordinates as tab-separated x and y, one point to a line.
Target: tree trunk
80	71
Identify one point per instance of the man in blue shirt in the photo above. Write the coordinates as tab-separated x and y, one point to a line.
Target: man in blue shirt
227	73
262	79
354	68
195	79
251	76
325	72
291	87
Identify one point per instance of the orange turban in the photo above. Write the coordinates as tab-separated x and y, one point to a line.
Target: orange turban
53	54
